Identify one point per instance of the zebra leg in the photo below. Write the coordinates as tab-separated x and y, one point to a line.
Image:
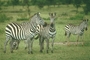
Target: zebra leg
77	40
65	33
52	44
26	44
5	44
47	41
29	46
82	41
12	46
17	45
68	36
32	45
41	43
29	41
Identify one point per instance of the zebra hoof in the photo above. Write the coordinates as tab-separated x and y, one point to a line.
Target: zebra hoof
4	51
11	51
47	51
16	48
51	51
25	48
41	51
30	52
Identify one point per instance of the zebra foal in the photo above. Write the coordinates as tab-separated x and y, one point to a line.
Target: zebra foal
76	30
23	31
47	32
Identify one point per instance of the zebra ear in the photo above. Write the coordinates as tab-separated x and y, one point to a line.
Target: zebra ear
38	13
45	24
54	13
87	20
49	14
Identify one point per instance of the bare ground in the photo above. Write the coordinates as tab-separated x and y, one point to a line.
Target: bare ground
69	43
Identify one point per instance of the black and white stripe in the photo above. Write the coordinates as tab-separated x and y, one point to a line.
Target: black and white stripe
23	31
47	32
76	29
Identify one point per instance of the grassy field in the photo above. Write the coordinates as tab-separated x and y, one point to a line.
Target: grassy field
65	15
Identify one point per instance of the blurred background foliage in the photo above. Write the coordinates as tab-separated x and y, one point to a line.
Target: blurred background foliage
41	3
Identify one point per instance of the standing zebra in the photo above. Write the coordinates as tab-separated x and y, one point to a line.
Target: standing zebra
76	30
23	31
48	32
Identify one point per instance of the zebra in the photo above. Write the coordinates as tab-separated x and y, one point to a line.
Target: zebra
47	32
76	29
24	31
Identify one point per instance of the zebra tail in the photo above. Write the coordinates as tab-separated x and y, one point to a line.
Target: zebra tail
36	37
65	33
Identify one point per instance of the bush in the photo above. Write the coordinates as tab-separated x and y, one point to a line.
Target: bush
77	17
3	18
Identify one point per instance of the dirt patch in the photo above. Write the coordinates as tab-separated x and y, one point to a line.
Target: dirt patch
70	43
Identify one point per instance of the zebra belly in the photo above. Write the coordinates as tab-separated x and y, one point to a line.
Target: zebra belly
76	32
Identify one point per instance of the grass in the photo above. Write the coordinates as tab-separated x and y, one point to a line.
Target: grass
61	52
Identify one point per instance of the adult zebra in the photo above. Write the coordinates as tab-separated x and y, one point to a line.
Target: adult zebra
76	30
23	31
47	32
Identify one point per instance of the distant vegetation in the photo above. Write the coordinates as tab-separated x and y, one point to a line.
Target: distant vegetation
41	3
3	18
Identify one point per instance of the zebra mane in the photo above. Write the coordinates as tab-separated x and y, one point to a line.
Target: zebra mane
71	24
52	24
84	21
45	24
38	13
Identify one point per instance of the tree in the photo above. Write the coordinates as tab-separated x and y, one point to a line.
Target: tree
67	2
39	3
87	6
77	3
15	2
27	3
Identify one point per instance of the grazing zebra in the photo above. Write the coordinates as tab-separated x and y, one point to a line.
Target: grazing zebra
48	32
76	30
23	31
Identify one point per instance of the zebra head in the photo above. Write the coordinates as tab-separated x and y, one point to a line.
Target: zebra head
52	16
85	21
38	19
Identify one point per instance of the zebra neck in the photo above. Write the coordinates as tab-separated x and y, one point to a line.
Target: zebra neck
52	33
81	26
52	29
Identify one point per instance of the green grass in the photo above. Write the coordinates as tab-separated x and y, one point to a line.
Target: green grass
61	52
